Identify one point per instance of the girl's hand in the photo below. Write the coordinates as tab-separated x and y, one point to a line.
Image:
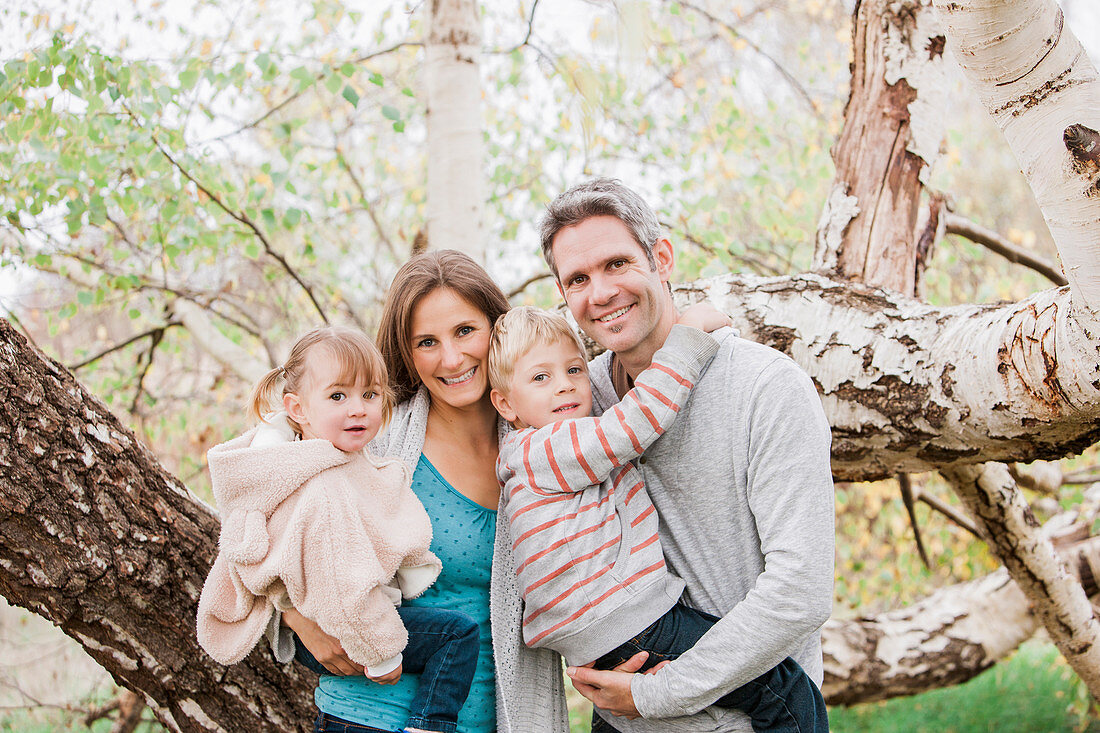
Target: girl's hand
325	649
705	317
389	678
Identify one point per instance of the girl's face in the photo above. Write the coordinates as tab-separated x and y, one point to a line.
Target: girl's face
328	407
449	339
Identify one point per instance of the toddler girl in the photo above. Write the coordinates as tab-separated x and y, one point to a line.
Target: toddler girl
312	521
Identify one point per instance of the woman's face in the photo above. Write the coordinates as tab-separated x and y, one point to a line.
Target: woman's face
449	340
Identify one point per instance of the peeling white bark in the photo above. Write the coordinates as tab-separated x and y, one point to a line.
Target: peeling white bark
914	52
909	388
1036	81
456	188
840	209
944	639
1056	596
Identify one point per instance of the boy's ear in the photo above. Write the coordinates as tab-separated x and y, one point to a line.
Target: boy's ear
292	403
500	401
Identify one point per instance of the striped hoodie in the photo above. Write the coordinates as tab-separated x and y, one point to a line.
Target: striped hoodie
583	529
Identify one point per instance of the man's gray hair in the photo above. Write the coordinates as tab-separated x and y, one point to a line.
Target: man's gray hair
600	197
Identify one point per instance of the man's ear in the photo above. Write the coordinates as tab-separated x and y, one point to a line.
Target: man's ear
500	401
292	403
665	258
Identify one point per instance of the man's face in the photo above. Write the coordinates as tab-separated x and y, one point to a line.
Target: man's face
610	288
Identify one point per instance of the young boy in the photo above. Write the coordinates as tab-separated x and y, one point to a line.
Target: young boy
584	531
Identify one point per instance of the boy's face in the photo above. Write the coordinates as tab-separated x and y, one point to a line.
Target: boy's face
549	383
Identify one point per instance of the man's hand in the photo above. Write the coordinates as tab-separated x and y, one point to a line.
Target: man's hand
705	317
390	678
324	648
610	690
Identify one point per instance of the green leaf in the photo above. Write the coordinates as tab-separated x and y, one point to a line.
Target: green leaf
351	95
85	297
347	69
391	113
333	84
399	126
134	313
188	78
376	79
252	250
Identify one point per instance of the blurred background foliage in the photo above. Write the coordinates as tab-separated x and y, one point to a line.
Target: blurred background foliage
264	160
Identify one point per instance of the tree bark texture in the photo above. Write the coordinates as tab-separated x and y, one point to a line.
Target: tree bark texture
1042	91
98	538
945	639
456	189
909	388
1012	532
891	135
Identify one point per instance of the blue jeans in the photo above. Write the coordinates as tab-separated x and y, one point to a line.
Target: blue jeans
784	699
442	649
326	723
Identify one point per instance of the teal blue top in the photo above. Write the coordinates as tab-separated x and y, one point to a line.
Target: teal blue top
462	537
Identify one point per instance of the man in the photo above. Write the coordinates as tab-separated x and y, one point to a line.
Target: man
741	481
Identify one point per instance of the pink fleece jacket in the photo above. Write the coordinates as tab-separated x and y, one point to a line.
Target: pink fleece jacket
339	536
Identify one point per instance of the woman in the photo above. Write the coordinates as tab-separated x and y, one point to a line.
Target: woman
434	337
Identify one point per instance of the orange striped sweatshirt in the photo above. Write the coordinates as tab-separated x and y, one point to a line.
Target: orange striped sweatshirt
583	528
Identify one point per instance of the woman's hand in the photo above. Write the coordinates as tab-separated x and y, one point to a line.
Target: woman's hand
390	678
324	648
705	317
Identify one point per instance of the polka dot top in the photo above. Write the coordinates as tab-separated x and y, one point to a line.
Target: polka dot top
462	537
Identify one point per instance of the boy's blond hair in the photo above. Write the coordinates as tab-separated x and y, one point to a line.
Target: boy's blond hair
519	330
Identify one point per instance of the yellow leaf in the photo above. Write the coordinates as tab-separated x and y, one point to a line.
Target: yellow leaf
207	47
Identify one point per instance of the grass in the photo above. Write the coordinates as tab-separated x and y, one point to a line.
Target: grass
1035	691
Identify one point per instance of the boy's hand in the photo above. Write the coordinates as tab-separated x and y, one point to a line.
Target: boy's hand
705	317
390	678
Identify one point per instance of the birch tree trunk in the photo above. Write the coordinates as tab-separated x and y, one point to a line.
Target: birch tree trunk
456	188
945	639
1010	529
1037	83
99	539
867	232
908	387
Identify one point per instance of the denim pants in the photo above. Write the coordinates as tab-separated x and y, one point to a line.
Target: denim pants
326	723
783	699
443	648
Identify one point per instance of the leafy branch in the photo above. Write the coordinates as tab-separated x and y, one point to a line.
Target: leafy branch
244	219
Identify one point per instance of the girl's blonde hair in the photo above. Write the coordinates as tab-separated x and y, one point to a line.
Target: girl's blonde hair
358	357
517	332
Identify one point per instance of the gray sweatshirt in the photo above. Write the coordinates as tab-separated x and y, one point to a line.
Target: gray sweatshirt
743	487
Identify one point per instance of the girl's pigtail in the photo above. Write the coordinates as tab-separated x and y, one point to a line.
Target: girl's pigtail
264	394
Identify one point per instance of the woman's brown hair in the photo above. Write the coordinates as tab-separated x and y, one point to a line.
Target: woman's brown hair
421	275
